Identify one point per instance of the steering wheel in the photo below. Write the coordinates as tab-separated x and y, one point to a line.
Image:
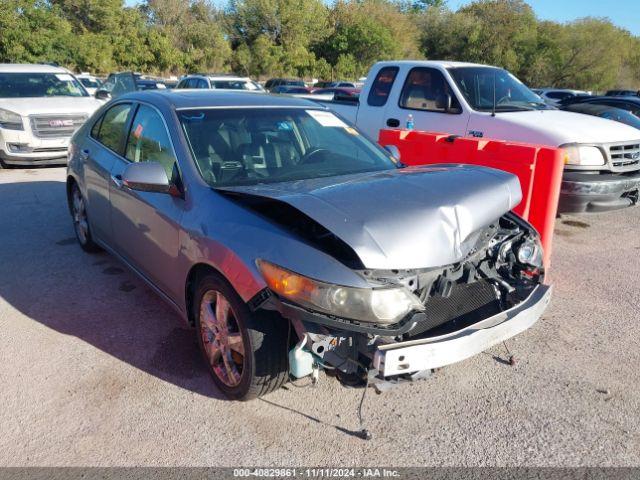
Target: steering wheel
313	152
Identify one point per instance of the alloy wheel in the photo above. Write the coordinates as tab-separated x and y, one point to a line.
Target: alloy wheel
80	222
221	338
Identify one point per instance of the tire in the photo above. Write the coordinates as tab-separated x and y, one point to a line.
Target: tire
246	354
78	208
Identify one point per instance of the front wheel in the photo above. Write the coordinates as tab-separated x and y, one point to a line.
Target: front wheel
245	352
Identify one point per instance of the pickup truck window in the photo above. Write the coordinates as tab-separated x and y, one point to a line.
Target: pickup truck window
381	87
247	146
427	89
511	95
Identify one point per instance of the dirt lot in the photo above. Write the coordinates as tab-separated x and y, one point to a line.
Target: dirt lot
96	370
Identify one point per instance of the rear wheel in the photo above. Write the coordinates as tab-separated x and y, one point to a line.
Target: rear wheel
245	352
81	220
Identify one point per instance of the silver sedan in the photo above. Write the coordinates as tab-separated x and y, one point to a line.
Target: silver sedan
291	242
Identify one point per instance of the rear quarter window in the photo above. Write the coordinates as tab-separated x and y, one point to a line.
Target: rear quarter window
381	87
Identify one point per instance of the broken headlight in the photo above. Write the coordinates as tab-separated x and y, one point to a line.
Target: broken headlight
385	305
529	252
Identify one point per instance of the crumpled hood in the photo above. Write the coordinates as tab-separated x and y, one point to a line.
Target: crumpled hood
416	217
554	128
50	105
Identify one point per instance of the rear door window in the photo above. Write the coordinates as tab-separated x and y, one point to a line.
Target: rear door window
381	87
113	128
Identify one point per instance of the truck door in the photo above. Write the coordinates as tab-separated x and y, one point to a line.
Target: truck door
371	112
427	96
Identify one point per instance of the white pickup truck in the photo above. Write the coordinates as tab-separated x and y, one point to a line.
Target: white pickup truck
602	157
40	108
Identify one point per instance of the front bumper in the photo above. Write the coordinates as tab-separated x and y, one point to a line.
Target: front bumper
589	192
33	160
428	353
21	148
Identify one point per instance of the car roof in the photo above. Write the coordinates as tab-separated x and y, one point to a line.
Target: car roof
615	98
217	77
590	107
30	68
205	98
433	63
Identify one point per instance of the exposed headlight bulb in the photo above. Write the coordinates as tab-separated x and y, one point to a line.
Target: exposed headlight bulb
530	253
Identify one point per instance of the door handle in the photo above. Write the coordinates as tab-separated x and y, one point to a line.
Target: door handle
393	122
117	180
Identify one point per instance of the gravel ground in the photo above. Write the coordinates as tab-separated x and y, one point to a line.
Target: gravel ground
96	370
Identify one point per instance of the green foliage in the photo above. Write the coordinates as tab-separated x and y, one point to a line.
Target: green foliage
314	38
588	53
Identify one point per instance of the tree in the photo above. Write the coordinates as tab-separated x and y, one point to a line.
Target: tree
365	31
497	32
274	36
195	28
34	31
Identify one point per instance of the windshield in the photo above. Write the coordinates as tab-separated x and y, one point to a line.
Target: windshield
247	146
477	86
234	85
17	85
89	82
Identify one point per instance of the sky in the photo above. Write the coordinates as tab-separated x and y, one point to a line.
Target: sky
624	13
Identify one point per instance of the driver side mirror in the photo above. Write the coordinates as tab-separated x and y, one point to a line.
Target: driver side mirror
104	95
443	102
148	177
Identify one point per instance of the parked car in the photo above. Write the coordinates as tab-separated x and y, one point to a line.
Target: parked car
219	82
554	95
118	84
258	218
338	92
601	172
630	104
40	108
604	111
288	82
622	93
289	90
89	82
334	85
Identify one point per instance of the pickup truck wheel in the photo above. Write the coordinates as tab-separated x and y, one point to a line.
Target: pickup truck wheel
81	227
245	352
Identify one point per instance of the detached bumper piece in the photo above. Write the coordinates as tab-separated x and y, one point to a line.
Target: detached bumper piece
434	352
587	192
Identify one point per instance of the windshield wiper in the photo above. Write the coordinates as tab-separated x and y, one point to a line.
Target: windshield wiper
514	108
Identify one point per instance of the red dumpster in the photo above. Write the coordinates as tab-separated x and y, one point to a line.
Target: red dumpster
539	168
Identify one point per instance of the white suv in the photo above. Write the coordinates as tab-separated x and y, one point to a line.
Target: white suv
219	82
40	108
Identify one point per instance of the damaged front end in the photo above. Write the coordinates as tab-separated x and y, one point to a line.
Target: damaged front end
412	321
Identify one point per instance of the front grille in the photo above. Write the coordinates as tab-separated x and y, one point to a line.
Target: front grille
467	304
624	156
55	126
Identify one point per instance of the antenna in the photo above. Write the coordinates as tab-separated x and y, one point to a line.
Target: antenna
493	107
